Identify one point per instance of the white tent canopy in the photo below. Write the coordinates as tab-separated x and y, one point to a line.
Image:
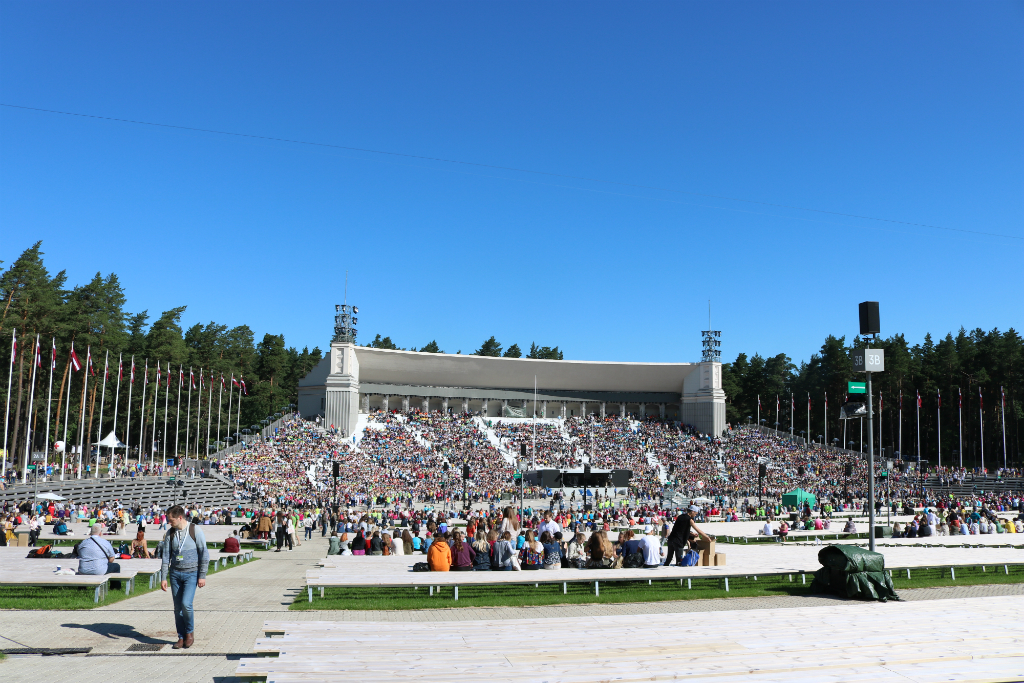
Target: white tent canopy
49	496
110	441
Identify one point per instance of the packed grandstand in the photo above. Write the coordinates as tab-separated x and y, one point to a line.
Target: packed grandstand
405	458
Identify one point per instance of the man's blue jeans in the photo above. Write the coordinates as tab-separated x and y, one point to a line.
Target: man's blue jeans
183	590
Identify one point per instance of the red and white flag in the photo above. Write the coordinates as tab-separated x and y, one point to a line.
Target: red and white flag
158	373
959	398
181	377
120	370
918	399
191	379
244	390
133	370
981	401
53	355
234	381
222	385
106	369
39	356
88	361
938	395
879	401
76	365
808	400
1004	397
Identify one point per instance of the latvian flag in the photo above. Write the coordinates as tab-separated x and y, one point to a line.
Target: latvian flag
919	399
244	390
191	379
53	355
158	374
234	381
39	356
133	370
88	361
939	397
981	401
76	364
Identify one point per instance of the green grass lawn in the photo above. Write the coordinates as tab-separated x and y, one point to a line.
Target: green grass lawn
619	591
73	598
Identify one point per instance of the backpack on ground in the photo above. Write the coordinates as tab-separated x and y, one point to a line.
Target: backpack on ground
44	551
421	567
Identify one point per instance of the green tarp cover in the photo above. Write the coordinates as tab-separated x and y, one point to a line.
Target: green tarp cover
797	498
852	572
851	558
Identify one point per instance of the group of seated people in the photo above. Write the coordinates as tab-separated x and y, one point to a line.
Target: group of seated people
955	524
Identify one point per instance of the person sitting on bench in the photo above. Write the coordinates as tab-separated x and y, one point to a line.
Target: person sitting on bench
231	544
95	553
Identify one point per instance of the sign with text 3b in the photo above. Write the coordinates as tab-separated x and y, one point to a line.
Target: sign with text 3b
868	360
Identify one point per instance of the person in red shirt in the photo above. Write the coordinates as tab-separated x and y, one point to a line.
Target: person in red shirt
231	544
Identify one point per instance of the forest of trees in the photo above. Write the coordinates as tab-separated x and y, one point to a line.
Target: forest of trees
93	317
490	347
989	362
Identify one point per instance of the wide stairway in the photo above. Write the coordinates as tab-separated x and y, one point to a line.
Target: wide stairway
212	490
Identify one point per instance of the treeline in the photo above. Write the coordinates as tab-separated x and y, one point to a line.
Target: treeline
972	367
92	316
490	347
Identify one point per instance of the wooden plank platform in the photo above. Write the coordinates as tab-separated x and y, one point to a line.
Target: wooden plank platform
888	642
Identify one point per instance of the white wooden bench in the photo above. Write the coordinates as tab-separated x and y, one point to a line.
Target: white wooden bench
638	647
31	579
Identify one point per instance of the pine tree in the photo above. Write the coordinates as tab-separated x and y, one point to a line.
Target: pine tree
491	347
513	352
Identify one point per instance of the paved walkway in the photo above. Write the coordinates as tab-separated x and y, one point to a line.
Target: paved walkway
231	610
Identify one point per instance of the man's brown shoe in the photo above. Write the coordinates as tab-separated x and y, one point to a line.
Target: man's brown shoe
178	645
189	639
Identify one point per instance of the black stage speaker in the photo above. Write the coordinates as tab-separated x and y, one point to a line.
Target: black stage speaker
522	451
620	478
336	469
849	469
869	318
762	470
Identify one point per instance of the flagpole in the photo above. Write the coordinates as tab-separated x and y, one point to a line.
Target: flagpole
231	395
220	404
759	412
981	426
99	430
826	418
142	412
188	414
85	396
177	412
64	453
960	409
152	432
809	439
7	414
792	405
128	420
167	395
919	428
28	418
199	412
117	397
881	405
238	413
901	424
1002	394
49	400
938	412
209	418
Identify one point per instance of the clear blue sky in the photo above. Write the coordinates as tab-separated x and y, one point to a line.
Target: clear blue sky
909	111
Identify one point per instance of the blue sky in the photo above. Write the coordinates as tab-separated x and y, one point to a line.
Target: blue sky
908	111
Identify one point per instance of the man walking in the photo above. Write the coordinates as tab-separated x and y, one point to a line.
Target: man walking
185	561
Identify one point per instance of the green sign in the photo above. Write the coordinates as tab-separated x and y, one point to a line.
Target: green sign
856	388
517	476
31	467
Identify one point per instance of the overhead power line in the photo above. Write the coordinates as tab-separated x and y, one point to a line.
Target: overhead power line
504	168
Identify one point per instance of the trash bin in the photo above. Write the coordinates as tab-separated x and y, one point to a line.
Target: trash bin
852	572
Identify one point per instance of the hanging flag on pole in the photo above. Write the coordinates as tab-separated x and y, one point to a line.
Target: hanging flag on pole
245	391
133	370
88	361
76	364
233	380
